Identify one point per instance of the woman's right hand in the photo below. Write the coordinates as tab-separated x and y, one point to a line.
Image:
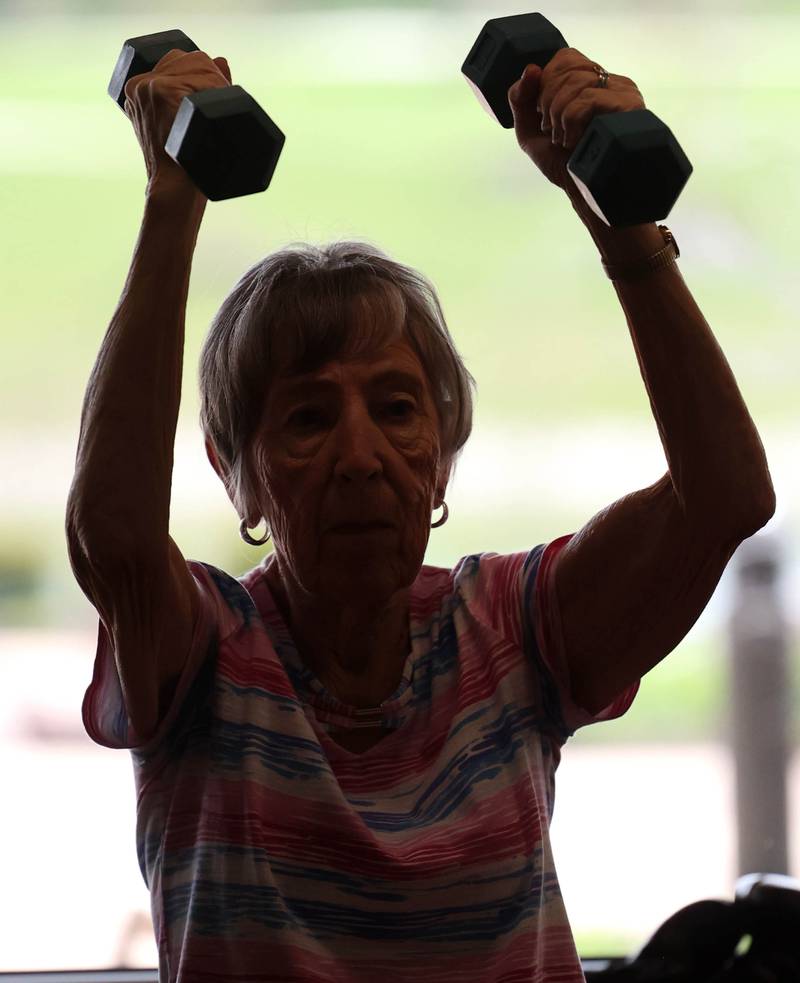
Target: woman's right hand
151	103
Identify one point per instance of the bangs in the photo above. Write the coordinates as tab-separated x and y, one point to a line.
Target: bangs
339	314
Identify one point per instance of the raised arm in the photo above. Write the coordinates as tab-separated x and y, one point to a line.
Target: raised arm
634	580
117	519
120	493
119	498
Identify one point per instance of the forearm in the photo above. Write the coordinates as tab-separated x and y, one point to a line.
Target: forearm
120	494
716	459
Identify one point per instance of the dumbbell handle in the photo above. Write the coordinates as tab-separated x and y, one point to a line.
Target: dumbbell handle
131	62
221	137
628	166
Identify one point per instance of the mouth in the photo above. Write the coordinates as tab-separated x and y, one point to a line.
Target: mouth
361	527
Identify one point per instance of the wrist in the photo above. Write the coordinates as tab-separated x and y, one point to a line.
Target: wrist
181	195
618	246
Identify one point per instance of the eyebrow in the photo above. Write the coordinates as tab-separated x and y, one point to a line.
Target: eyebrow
289	389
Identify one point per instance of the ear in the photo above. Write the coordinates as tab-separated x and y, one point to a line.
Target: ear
442	481
212	456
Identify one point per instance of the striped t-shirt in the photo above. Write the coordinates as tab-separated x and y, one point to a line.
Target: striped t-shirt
273	854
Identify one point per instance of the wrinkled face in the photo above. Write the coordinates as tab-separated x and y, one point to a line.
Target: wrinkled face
355	442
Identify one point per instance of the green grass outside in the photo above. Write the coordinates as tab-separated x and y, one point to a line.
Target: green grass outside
421	171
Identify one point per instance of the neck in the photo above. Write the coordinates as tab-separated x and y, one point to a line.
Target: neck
357	651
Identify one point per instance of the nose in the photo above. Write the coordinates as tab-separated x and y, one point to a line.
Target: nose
358	442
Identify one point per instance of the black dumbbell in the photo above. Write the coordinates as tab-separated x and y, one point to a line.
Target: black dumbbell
221	137
628	166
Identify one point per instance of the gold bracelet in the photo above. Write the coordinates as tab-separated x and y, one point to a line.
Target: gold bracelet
659	261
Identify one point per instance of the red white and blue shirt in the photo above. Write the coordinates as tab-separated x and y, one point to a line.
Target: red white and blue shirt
273	854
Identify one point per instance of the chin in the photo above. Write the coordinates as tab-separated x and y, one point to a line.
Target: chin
373	577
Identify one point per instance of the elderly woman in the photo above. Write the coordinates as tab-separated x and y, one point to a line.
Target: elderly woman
345	759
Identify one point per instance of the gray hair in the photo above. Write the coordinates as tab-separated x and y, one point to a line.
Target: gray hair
287	315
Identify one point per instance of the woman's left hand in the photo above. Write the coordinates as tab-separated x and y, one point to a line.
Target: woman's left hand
558	103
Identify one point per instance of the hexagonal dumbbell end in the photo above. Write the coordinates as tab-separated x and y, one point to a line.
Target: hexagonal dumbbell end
502	50
142	54
225	142
629	168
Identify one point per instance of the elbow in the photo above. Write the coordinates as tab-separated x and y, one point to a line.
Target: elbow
766	503
757	515
732	511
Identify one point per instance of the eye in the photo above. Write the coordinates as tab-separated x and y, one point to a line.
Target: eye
303	414
402	404
305	417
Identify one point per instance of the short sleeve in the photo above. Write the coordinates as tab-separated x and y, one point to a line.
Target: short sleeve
540	609
105	718
513	594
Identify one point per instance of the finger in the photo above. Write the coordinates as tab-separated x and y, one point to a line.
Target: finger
195	61
170	56
583	109
526	87
132	85
136	80
560	67
557	108
522	97
224	67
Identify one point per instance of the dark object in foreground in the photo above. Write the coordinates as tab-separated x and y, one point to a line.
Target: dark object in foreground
753	939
